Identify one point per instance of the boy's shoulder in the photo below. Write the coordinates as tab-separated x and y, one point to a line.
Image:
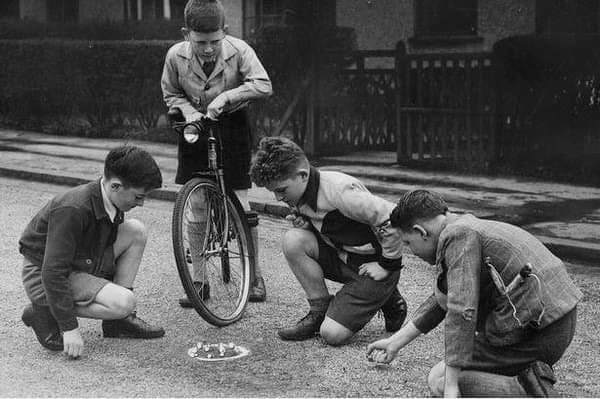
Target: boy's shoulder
181	48
334	181
232	45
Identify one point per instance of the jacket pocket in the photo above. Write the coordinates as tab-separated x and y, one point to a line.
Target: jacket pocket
516	314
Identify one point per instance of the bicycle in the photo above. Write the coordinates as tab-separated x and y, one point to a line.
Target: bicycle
210	227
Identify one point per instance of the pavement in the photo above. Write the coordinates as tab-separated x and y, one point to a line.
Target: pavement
565	217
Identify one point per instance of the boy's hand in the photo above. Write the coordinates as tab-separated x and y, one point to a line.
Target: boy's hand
382	351
298	221
373	270
194	117
73	343
216	107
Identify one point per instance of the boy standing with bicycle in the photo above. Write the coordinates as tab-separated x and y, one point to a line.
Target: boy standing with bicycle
337	235
215	75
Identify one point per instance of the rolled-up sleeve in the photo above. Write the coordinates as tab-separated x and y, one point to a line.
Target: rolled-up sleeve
462	255
65	227
357	203
429	315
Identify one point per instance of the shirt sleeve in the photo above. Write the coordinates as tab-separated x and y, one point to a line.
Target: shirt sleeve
462	254
357	203
429	315
173	94
65	227
255	80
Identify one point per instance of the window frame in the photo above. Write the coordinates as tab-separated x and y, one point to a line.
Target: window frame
423	28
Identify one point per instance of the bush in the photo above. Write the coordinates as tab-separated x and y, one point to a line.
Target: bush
159	29
81	85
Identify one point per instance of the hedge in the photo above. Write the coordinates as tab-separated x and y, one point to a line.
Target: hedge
85	85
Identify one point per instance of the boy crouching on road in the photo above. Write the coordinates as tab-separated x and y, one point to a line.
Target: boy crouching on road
509	306
81	257
335	220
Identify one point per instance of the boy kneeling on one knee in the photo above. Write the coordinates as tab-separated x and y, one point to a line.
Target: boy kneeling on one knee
508	303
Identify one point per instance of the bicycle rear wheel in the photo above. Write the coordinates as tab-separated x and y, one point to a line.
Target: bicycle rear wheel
213	251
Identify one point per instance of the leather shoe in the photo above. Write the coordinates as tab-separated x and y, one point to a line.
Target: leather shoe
308	327
538	380
394	311
258	291
203	290
130	327
44	326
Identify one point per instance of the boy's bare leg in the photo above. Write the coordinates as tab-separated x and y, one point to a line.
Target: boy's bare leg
301	251
115	302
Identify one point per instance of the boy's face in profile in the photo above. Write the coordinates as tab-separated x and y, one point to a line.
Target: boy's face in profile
290	190
205	45
126	198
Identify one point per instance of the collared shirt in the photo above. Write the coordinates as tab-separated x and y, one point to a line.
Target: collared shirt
238	74
472	301
348	217
111	210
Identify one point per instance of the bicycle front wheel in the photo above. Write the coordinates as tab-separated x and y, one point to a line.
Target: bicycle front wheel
213	250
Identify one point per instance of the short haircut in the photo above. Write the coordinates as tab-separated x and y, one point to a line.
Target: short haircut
417	204
277	158
133	166
204	16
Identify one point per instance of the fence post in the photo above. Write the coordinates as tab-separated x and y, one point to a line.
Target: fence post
399	65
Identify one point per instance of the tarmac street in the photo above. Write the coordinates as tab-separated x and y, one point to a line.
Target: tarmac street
274	368
565	217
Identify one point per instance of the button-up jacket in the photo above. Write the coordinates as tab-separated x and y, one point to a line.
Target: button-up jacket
348	217
238	73
474	303
71	232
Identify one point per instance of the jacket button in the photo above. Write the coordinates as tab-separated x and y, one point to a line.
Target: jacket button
88	261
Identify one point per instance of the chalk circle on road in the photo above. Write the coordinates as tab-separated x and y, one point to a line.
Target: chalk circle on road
217	352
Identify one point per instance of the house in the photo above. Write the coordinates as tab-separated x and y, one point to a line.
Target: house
424	25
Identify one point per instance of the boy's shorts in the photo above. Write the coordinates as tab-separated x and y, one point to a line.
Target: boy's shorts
361	297
84	286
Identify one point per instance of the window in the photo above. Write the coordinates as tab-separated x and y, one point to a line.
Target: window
9	9
446	18
62	10
566	16
262	13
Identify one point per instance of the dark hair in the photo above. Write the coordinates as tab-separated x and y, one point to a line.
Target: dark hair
277	158
417	204
133	166
204	16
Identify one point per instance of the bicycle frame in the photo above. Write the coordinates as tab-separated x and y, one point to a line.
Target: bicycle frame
205	126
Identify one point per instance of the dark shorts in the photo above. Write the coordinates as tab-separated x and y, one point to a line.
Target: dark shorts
84	286
361	297
235	134
547	345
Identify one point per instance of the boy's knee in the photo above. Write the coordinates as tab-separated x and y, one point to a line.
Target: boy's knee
125	305
297	242
136	230
333	335
436	379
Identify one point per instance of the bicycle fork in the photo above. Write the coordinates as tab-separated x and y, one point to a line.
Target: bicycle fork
212	164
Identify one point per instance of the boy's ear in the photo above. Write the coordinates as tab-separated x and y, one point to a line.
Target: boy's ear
185	31
226	29
421	230
303	173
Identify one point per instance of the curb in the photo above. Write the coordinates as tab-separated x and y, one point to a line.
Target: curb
562	247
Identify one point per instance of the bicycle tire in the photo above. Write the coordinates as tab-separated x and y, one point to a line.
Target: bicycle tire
228	299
